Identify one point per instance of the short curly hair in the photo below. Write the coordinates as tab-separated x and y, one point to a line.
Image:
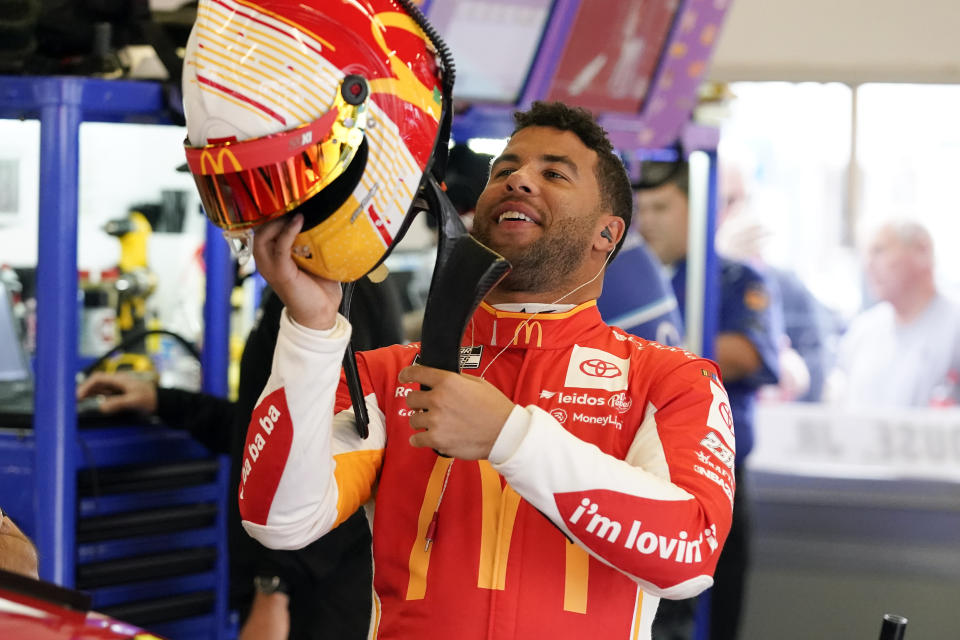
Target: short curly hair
615	192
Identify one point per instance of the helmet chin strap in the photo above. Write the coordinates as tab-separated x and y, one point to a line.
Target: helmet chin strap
465	271
351	372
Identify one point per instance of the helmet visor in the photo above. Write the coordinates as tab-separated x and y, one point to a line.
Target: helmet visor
244	184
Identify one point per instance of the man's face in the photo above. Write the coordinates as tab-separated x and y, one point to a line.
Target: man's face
889	268
540	207
662	218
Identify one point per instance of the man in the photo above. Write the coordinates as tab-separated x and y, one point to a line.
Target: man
905	350
558	487
746	348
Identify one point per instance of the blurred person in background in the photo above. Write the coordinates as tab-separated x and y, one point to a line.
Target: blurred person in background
637	296
746	348
743	234
467	173
904	351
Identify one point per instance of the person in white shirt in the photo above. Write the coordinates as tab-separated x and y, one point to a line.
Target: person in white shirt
904	351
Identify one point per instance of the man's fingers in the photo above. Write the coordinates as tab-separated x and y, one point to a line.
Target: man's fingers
427	376
274	239
289	233
419	420
418	399
85	387
269	231
113	404
422	439
99	382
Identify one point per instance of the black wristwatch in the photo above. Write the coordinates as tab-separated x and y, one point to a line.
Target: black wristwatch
269	585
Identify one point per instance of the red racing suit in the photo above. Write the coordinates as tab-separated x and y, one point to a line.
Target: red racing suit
609	486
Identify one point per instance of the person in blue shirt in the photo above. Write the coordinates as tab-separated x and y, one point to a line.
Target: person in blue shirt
637	297
744	233
746	348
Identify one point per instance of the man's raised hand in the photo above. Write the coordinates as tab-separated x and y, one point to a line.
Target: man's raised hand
310	300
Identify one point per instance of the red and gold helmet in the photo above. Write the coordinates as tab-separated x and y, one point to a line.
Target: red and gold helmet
332	108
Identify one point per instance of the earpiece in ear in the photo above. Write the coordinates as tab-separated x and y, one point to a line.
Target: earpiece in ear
606	234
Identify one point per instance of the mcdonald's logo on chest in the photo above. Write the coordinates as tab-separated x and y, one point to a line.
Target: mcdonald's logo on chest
525	333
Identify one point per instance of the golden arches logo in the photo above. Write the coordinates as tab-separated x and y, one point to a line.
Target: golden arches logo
217	164
528	331
405	85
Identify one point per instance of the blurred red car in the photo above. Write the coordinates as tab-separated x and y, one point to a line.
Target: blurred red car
35	610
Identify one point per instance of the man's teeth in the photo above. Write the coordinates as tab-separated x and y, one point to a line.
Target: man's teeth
514	215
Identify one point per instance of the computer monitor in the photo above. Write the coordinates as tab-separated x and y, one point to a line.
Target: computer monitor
494	43
612	51
637	64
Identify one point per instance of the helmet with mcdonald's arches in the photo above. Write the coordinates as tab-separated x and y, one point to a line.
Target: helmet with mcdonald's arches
334	109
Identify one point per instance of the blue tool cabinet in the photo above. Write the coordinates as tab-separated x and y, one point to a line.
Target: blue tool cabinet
133	514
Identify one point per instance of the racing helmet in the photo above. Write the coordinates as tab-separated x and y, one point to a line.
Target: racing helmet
334	109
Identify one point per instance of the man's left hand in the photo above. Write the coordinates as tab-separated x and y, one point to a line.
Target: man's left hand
459	416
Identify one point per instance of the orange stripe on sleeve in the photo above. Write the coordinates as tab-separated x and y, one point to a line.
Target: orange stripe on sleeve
355	473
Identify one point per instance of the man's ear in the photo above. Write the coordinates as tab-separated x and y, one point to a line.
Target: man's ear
610	229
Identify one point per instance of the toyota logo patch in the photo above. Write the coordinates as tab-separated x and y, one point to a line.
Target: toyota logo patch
726	414
599	368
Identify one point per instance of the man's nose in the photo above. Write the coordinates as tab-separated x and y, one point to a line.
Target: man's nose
520	180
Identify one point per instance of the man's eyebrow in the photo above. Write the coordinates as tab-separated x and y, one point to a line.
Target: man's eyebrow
506	157
564	160
548	158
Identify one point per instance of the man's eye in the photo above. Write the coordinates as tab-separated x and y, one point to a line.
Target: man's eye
500	173
554	174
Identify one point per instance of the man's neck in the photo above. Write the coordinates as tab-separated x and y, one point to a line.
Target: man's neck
562	295
583	285
533	307
913	303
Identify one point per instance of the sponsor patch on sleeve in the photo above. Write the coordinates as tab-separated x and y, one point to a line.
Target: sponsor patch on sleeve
610	523
720	418
714	445
265	453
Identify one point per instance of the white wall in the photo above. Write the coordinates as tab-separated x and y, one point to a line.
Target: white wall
845	40
121	165
20	142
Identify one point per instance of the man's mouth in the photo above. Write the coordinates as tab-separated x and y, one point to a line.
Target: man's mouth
514	216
